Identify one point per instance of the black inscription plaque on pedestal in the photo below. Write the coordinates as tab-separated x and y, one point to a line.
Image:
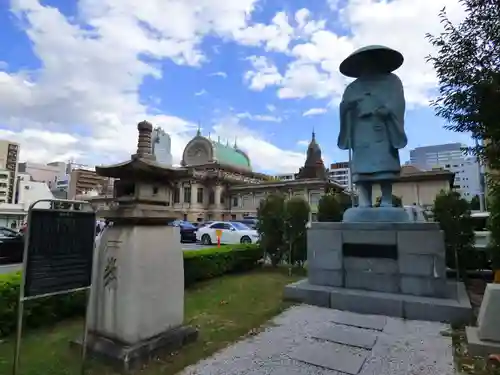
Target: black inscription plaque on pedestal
357	250
60	251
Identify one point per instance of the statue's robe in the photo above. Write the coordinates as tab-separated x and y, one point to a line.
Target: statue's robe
373	136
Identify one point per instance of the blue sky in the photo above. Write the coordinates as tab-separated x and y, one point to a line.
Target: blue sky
76	77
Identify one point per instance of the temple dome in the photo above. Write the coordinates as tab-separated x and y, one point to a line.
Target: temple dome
202	150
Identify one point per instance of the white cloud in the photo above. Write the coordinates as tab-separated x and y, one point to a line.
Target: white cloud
265	73
84	101
265	118
219	74
314	111
201	92
275	37
303	143
313	70
271	107
90	76
264	155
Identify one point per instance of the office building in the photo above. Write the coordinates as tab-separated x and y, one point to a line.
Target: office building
451	157
340	173
48	173
162	146
4	185
82	181
430	157
9	158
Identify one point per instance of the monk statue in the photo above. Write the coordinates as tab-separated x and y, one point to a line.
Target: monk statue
372	126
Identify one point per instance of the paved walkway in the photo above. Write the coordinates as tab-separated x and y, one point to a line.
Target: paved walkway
309	340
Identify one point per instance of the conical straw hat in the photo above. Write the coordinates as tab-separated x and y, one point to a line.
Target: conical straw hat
379	58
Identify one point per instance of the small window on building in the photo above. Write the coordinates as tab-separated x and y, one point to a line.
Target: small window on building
233	217
199	195
235	201
211	197
155	190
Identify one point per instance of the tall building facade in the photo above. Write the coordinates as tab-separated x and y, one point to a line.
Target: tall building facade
82	181
162	146
9	158
48	173
451	157
341	174
429	157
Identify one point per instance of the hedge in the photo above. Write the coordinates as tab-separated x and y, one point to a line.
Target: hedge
198	265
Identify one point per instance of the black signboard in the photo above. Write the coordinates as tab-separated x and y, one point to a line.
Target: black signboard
60	251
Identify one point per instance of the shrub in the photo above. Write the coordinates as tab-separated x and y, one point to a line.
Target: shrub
198	265
209	263
396	201
453	214
271	227
330	208
296	215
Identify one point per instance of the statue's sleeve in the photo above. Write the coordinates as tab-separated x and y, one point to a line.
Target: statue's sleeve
395	103
344	140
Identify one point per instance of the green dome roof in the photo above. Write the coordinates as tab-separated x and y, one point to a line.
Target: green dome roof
226	154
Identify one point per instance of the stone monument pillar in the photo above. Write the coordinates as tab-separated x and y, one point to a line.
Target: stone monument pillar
137	299
485	338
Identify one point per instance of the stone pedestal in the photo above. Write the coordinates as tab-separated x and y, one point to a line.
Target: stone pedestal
485	338
137	299
394	269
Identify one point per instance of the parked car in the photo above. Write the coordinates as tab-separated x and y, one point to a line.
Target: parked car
201	224
11	246
232	233
188	230
251	223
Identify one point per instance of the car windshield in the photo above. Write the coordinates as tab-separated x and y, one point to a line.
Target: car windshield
240	226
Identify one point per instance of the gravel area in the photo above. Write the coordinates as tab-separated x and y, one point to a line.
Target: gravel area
402	347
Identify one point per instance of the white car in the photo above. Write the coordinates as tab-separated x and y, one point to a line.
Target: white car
231	233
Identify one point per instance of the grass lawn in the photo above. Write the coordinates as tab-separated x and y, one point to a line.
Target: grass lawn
223	309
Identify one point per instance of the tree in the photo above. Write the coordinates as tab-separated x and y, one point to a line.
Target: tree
453	214
474	203
493	225
467	63
271	226
396	201
297	216
329	208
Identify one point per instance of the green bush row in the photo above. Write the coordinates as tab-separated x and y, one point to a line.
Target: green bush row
198	265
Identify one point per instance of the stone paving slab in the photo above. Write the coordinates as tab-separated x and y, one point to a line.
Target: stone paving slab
403	347
338	358
373	322
359	338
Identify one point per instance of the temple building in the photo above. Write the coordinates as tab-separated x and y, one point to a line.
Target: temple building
218	182
224	187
